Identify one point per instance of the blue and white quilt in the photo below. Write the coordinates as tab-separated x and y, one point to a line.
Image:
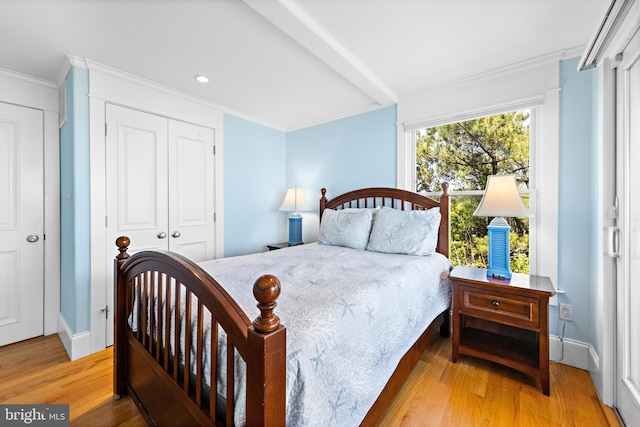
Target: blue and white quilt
350	317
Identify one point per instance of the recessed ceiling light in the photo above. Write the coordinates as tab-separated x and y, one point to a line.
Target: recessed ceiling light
202	79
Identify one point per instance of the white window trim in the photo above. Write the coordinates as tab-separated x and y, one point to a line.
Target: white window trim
544	156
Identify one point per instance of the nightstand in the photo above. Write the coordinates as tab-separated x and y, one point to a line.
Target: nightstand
275	246
504	321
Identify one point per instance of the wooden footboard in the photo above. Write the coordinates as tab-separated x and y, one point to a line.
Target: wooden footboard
157	291
156	367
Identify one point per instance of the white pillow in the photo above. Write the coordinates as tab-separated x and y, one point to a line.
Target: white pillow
348	228
405	232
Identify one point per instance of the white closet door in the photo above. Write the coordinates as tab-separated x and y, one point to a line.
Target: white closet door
160	188
21	223
137	180
191	191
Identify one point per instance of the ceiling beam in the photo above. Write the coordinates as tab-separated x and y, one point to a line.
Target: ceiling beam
295	22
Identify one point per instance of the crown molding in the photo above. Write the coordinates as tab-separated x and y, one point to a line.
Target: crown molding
475	79
27	78
132	78
70	61
337	116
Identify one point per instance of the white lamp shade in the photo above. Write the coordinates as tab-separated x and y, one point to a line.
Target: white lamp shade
501	198
294	201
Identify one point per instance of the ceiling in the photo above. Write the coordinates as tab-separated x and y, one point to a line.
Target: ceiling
289	64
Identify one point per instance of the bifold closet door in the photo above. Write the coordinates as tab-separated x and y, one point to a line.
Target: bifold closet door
160	187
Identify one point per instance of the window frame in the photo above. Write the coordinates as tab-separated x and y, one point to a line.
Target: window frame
544	149
534	117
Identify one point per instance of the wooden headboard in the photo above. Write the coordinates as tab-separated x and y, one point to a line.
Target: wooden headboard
397	199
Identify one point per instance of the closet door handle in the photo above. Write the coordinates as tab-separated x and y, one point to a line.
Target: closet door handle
161	235
176	234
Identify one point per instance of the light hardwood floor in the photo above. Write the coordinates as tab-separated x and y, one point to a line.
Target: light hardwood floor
471	392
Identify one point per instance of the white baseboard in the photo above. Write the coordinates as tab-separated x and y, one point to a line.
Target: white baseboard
575	353
78	345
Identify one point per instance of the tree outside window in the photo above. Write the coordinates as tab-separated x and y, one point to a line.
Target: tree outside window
465	154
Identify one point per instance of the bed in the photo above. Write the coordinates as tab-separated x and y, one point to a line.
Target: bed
184	342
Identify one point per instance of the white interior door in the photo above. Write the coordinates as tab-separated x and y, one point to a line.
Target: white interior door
628	265
137	187
21	223
191	191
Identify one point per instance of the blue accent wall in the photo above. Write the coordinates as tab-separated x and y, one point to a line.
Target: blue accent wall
342	155
578	203
75	227
254	186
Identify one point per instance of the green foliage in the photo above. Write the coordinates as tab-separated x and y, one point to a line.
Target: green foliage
465	154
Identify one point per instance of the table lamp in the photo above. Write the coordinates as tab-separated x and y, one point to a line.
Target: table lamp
501	199
295	201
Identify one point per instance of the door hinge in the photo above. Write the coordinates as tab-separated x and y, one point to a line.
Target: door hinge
105	310
105	129
214	217
214	150
106	221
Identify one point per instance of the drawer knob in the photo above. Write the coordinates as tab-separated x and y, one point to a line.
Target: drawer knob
496	303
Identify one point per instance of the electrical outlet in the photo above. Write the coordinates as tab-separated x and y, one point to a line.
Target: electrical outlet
566	312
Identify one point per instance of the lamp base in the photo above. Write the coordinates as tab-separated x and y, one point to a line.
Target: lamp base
295	230
499	250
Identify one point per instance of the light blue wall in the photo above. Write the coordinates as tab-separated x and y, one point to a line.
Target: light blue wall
254	186
578	203
75	229
358	151
342	155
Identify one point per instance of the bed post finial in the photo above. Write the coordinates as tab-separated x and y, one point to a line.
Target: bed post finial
445	187
266	290
323	201
122	243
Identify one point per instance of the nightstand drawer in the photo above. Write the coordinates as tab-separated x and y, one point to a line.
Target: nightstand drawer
504	308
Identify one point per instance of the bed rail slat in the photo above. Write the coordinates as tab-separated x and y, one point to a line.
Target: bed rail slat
159	321
178	330
230	383
167	323
138	287
199	353
152	308
187	343
213	371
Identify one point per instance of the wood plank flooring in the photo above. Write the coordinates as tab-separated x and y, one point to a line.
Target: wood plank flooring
471	392
38	371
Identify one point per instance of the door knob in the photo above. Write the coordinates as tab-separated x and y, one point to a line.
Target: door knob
176	234
161	235
32	238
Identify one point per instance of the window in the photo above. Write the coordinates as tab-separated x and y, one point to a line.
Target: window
532	85
465	153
